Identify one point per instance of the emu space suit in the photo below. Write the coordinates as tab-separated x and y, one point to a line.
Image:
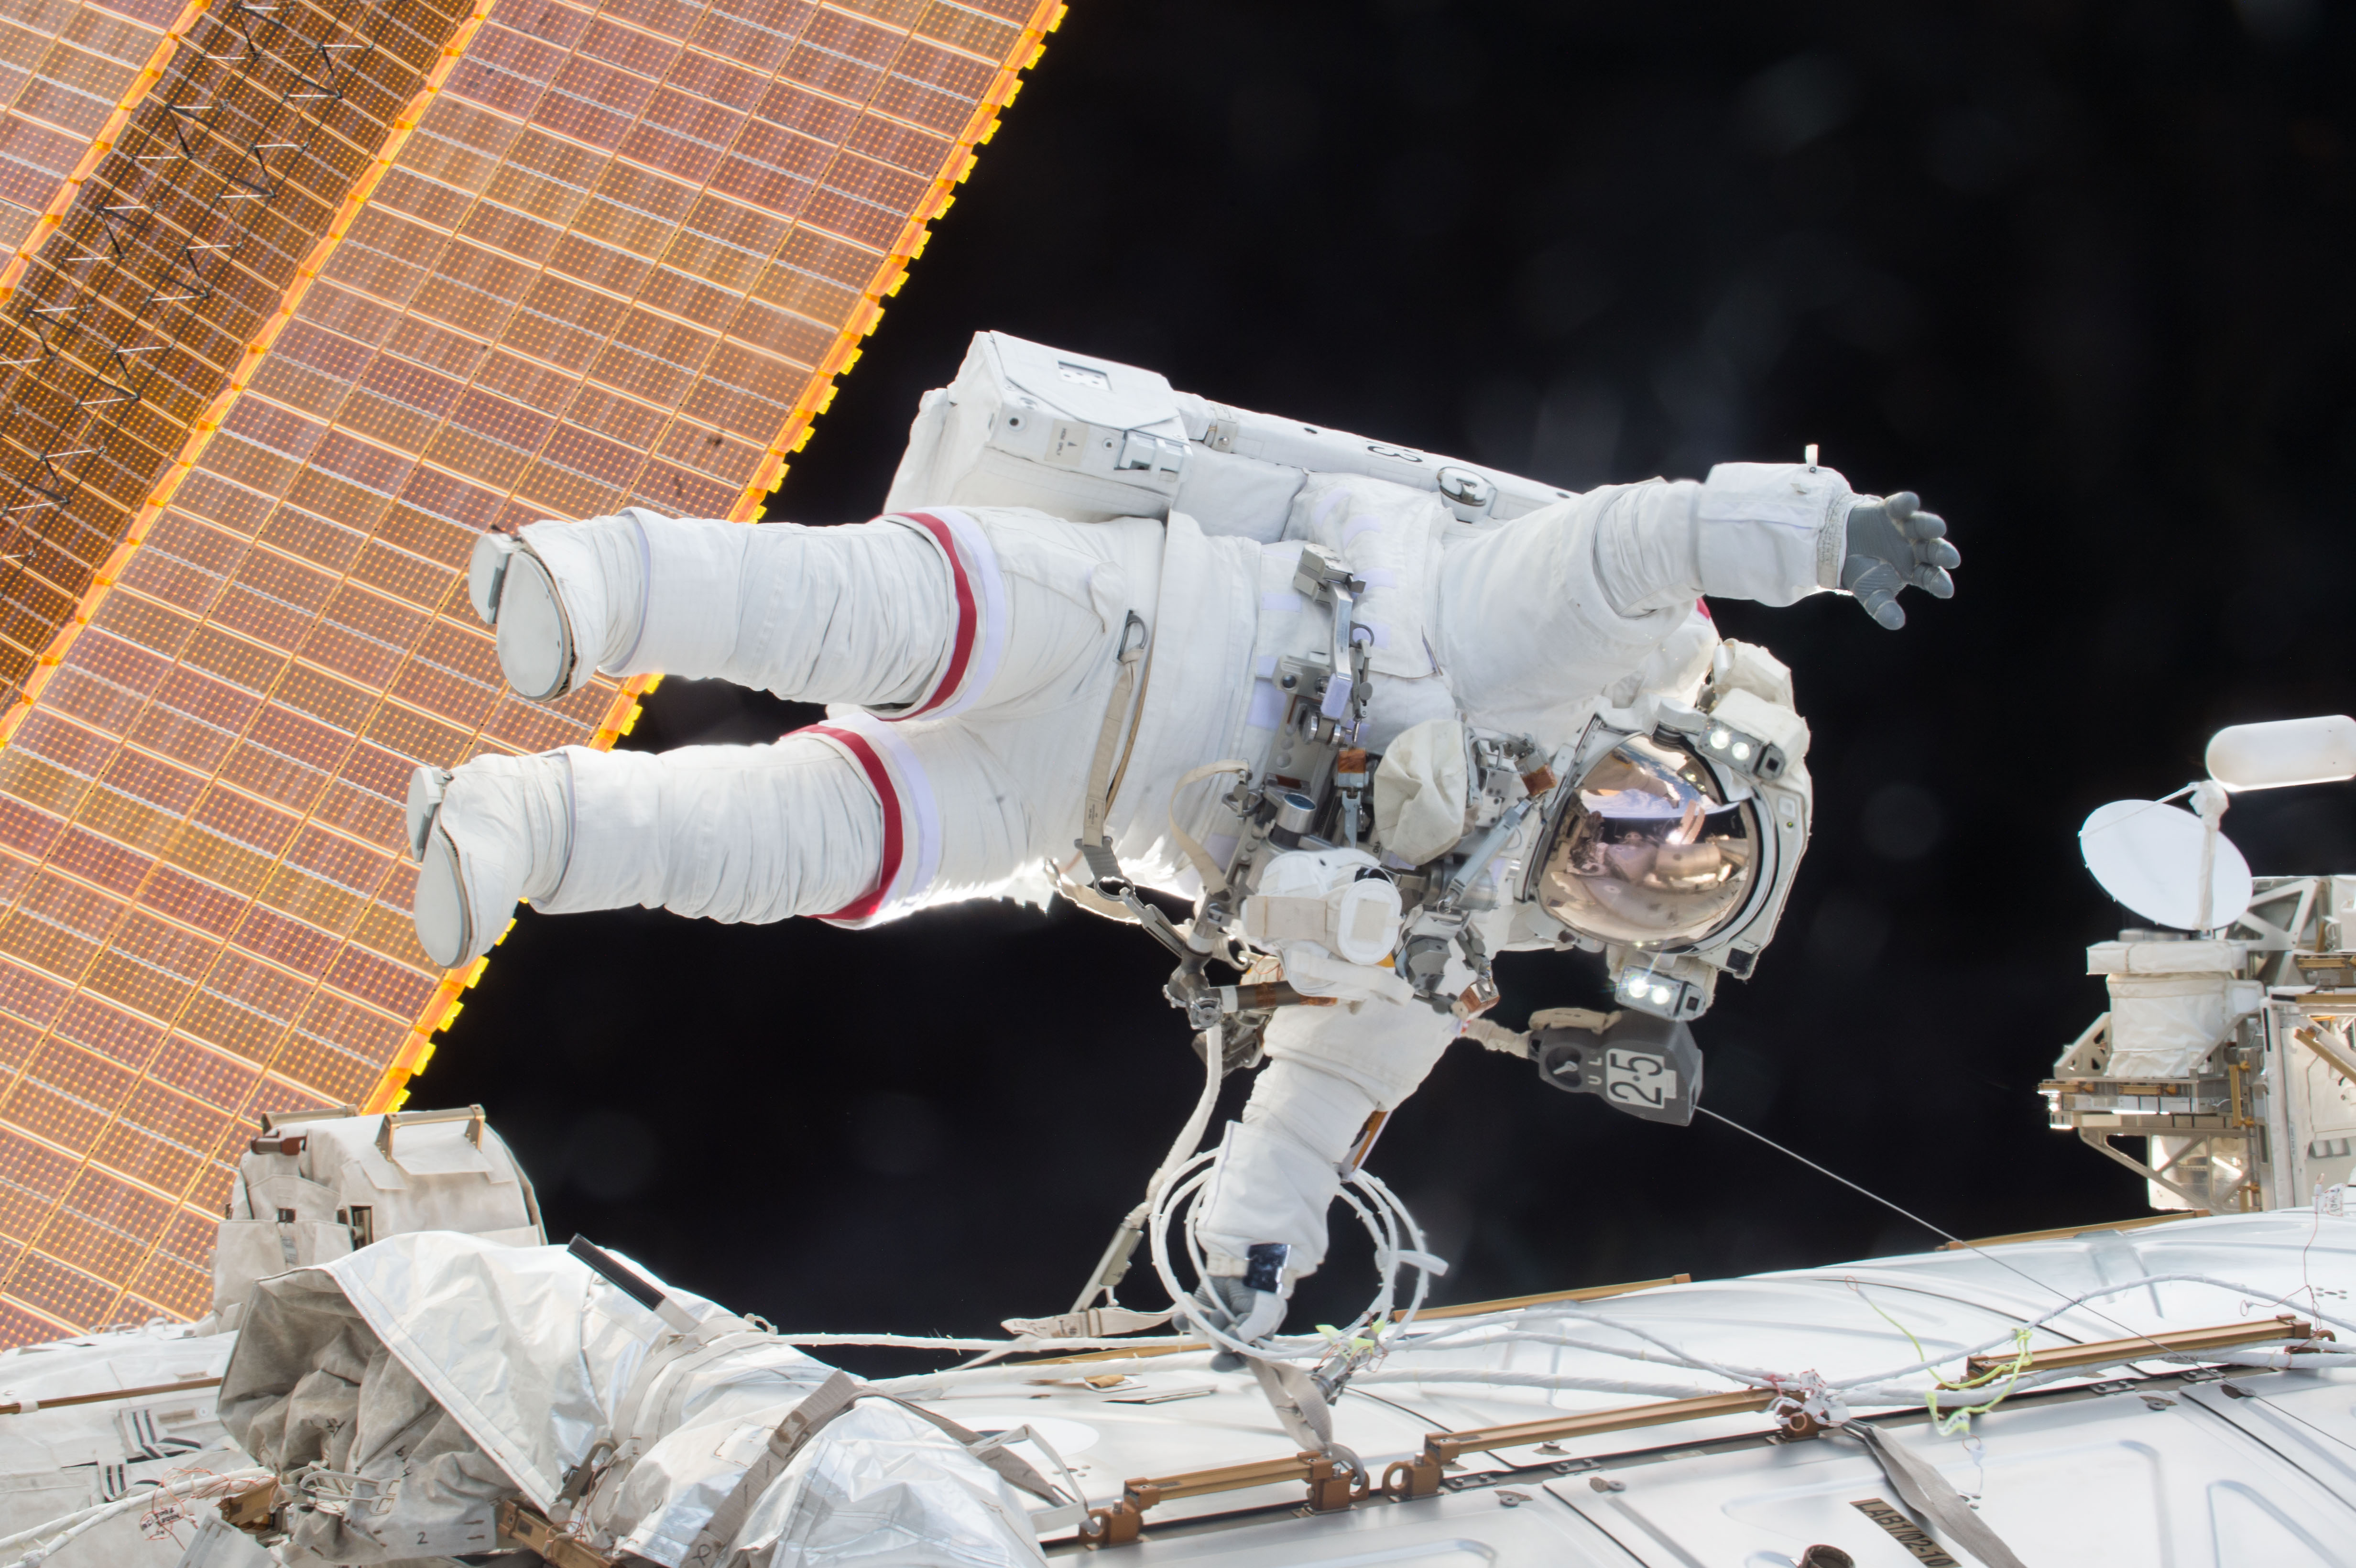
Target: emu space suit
968	656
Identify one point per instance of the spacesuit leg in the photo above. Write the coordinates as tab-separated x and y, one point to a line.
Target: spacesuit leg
1279	1169
936	612
861	614
739	832
854	820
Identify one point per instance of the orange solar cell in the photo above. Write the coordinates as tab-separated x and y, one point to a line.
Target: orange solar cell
304	296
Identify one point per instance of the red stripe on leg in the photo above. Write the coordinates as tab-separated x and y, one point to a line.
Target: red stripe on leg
880	780
961	649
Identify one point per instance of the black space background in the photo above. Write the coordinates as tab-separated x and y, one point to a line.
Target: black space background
2080	273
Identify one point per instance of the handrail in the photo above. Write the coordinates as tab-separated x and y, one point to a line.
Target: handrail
1332	1487
2150	1346
1420	1477
1547	1298
2071	1233
25	1407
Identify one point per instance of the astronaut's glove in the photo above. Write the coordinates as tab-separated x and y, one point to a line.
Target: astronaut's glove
1894	544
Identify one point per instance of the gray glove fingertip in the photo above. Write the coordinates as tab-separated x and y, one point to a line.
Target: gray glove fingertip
1887	615
1902	506
1944	554
1926	526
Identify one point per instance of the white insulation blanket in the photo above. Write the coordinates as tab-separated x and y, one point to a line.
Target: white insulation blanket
428	1376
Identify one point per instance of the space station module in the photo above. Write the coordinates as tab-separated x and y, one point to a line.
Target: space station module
1378	715
2226	1047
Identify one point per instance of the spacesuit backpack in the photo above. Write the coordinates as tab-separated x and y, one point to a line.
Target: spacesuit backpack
1092	440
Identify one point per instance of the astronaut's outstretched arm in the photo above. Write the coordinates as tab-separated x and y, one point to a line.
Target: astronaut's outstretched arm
1575	596
1774	532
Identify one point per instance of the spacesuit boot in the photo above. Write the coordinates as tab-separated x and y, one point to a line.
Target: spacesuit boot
499	831
557	592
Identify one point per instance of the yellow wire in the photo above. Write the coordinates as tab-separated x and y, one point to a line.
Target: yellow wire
2010	1371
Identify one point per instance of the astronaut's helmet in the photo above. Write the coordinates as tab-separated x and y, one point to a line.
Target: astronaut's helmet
1648	848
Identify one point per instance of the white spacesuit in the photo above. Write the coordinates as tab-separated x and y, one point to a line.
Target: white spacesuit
1005	683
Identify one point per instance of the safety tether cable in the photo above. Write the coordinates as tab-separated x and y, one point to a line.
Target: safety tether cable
1936	1230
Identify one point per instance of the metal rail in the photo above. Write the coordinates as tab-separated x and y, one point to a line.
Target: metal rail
1463	1310
1420	1477
1331	1485
2150	1346
2071	1233
25	1407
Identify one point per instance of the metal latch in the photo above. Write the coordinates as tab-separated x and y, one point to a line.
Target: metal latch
1152	453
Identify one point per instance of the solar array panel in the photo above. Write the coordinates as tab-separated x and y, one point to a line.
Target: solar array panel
327	293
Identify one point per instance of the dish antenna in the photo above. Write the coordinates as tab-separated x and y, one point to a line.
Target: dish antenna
2176	867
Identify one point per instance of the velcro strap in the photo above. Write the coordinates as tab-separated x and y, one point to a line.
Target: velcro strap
715	1541
1287	917
830	1399
1092	1323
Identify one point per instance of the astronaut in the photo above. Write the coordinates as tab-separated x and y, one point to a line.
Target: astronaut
1378	715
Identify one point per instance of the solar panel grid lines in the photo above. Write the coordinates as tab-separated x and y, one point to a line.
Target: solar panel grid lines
260	174
166	250
46	219
186	1258
205	904
202	427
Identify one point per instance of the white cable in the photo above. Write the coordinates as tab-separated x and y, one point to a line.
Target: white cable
62	1520
77	1525
914	1385
1439	1337
2157	1352
1871	1390
1190	1137
1389	1374
2282	1360
1749	1376
1386	1222
1017	1346
1474	1333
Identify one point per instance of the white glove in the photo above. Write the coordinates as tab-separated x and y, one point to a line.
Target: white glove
1240	1308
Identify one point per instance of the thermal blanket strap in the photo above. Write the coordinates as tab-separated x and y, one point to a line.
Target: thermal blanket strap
1298	1403
1921	1487
1089	1323
1214	880
1094	845
715	1541
1133	638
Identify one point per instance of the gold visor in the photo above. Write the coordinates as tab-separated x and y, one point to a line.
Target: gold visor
1649	850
